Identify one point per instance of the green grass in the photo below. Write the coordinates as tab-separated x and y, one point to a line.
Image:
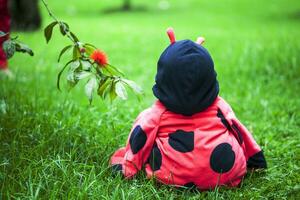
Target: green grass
54	145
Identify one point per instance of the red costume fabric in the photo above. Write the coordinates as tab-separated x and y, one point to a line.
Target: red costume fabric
207	149
4	27
190	136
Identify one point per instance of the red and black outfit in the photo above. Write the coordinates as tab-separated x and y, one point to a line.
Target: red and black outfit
4	27
190	136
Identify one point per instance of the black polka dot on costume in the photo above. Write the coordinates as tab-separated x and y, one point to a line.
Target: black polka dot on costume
182	141
223	120
137	139
222	158
155	158
239	136
190	185
116	170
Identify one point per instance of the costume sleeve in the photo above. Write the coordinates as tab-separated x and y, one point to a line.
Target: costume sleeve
131	158
253	153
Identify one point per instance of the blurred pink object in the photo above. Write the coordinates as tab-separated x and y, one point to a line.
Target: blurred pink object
4	27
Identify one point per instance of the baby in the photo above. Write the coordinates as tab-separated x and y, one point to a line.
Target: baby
190	136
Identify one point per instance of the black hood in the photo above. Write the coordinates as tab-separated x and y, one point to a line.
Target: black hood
186	81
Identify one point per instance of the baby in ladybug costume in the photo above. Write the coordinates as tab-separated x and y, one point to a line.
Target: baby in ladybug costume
190	136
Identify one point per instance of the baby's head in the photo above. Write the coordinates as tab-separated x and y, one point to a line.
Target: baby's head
186	81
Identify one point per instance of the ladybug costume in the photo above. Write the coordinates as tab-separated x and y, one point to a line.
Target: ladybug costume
190	136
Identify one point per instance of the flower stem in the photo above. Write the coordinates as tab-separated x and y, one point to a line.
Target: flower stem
59	22
49	11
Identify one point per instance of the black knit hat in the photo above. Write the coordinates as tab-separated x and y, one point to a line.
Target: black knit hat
186	80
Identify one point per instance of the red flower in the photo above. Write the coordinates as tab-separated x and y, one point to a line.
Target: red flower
99	57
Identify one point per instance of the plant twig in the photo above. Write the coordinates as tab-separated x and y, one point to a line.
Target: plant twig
59	22
49	11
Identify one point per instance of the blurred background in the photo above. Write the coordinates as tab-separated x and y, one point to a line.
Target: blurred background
133	32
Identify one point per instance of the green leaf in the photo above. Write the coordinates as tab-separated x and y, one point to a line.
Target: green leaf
74	71
103	86
76	52
83	74
112	91
64	28
71	78
60	73
20	47
9	48
113	70
63	51
120	90
89	49
91	45
2	34
48	31
90	87
86	65
75	65
71	84
74	37
135	87
14	38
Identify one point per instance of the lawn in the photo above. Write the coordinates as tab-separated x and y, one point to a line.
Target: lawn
54	145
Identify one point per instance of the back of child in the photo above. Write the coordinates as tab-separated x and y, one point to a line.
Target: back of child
190	136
